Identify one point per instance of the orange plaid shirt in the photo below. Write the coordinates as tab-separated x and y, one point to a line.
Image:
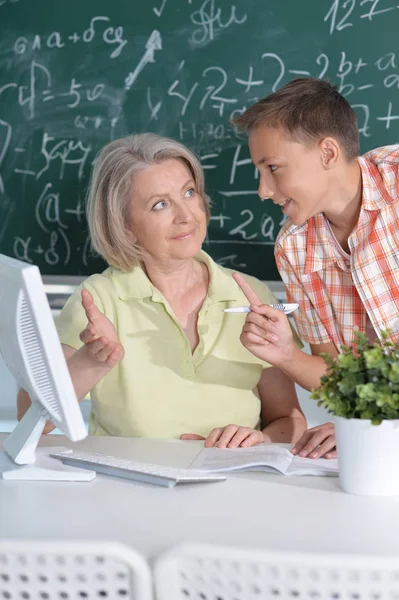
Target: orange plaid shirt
336	291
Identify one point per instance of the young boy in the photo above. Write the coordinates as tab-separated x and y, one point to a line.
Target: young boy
338	252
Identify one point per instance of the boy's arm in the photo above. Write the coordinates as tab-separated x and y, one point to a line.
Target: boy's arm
267	334
307	369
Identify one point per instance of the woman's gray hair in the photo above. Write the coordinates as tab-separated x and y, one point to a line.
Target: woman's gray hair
110	191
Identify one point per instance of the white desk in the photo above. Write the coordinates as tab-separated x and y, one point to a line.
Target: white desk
257	510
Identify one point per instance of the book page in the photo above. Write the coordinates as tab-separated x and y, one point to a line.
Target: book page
234	459
313	466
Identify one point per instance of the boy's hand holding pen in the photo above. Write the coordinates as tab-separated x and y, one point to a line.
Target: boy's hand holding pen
266	332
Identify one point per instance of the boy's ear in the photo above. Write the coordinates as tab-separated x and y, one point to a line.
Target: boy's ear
330	152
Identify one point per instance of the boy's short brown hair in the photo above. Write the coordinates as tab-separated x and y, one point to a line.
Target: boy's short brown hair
306	109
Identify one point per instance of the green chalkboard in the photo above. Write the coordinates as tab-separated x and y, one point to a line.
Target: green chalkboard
75	74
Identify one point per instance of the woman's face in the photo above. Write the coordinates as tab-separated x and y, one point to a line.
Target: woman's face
167	215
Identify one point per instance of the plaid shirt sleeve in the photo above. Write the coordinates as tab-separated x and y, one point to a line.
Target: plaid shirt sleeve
309	325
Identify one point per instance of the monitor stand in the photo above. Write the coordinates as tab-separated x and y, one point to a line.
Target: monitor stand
21	459
45	468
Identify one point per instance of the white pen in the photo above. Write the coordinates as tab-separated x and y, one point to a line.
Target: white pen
285	308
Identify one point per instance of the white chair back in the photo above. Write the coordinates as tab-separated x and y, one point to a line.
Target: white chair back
72	570
205	572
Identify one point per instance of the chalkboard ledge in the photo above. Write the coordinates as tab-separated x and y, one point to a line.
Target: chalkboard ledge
58	288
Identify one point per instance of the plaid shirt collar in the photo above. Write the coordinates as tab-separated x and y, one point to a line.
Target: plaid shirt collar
320	251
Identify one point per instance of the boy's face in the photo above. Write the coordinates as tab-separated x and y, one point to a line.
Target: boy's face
291	173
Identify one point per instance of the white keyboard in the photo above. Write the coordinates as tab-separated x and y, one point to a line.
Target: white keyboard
131	469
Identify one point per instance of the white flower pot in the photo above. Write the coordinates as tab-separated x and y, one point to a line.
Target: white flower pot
368	456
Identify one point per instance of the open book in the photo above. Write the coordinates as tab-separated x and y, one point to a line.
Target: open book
263	457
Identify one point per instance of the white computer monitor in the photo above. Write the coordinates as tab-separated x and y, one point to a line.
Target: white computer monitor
30	348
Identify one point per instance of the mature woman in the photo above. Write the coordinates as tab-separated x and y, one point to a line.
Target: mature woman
148	336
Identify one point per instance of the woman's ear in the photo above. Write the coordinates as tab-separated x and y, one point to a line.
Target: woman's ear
131	236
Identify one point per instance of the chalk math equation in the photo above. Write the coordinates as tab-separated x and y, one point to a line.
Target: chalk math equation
181	68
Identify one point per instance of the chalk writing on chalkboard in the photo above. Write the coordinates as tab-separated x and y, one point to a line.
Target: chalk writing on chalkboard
74	77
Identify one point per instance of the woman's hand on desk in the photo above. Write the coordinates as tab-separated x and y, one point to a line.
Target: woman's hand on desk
317	442
99	336
230	436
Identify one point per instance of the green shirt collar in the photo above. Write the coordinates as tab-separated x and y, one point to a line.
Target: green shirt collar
136	284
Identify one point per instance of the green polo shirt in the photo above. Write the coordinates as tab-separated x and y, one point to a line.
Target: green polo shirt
160	388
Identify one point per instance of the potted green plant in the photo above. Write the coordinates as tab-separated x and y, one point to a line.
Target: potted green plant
361	390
